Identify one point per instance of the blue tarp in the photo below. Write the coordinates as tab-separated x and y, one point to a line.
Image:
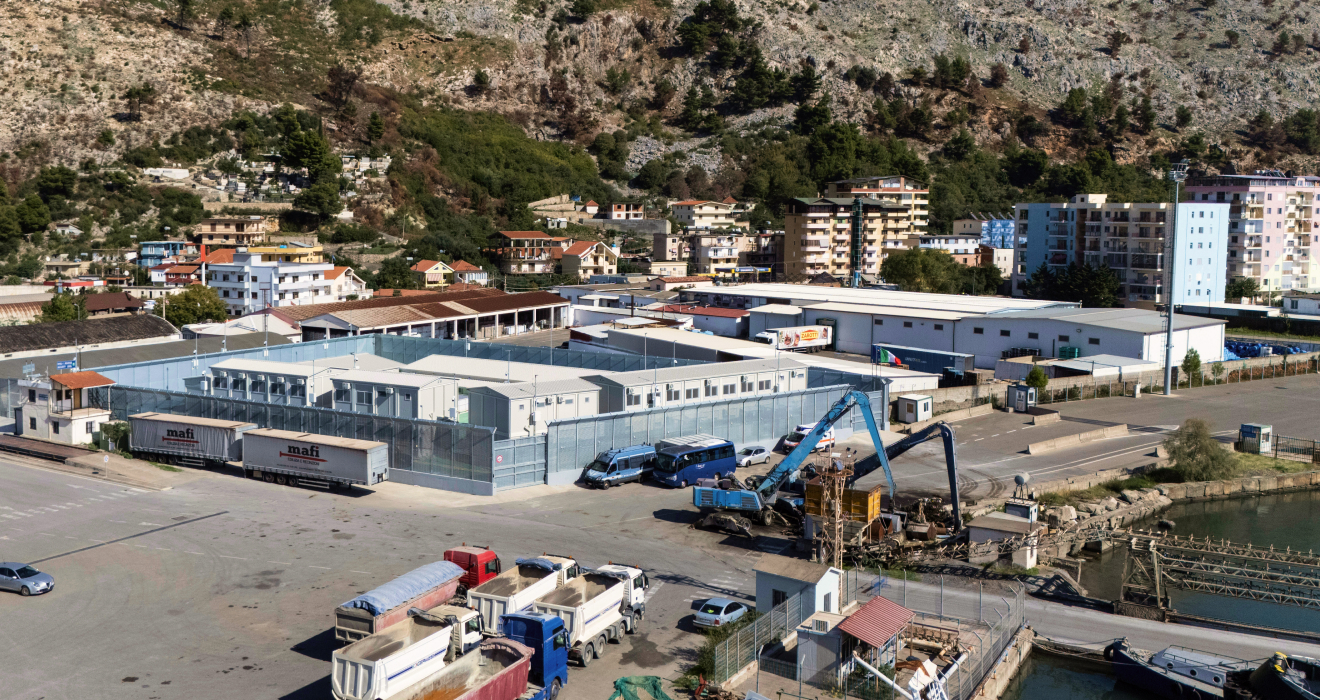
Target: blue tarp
539	563
406	587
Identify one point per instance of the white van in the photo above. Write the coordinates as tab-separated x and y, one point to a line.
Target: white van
793	439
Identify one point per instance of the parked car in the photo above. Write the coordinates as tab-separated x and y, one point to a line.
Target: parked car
748	456
24	579
718	612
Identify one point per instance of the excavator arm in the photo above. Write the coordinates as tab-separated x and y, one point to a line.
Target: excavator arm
942	430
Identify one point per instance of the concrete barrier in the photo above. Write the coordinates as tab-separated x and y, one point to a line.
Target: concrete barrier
951	416
1044	416
1066	441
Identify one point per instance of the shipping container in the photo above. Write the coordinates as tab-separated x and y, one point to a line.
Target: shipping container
285	456
380	608
184	439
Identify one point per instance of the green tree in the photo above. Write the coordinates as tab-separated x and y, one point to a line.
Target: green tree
58	181
1116	41
1191	365
1233	38
61	307
481	82
224	20
1182	117
617	80
1239	287
961	146
1025	166
805	83
652	175
309	149
178	209
137	96
394	273
584	8
1037	379
196	304
375	127
1145	115
810	117
245	26
321	199
32	214
185	11
1196	455
923	270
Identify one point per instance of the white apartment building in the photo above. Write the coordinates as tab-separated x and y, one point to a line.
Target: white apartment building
248	284
345	285
704	214
965	248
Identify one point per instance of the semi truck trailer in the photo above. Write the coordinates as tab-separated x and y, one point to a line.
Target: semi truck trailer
197	442
516	589
289	457
597	607
798	338
381	608
381	665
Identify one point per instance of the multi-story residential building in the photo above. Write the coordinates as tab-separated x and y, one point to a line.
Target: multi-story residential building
250	284
587	258
1001	258
996	231
345	285
964	247
527	253
714	253
837	235
1271	217
767	251
467	273
894	189
670	247
232	231
1131	238
290	252
182	275
156	252
432	274
704	214
625	210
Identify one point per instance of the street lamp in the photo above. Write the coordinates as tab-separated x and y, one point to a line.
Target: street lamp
1177	173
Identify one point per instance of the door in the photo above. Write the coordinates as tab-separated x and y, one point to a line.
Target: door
8	580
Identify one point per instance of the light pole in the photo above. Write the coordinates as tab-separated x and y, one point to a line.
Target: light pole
1177	173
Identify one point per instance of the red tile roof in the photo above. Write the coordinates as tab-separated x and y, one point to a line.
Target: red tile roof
425	265
81	380
182	269
877	622
219	255
464	266
703	311
408	292
336	273
523	234
592	203
106	301
691	202
729	200
580	248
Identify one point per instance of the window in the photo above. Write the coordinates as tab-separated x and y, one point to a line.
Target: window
712	389
32	393
220	383
672	392
364	397
632	398
298	390
32	423
1093	341
763	385
747	385
89	427
730	389
878	322
55	427
978	331
239	385
342	395
258	386
1064	338
277	388
382	394
407	397
1005	333
692	393
907	324
1033	336
778	598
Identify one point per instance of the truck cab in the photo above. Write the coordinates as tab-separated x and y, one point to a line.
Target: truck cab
620	466
548	640
464	624
638	585
479	565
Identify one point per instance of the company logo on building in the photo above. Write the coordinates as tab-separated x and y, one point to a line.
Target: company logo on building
304	452
185	435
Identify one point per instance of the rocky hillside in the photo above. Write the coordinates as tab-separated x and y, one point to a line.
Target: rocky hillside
65	65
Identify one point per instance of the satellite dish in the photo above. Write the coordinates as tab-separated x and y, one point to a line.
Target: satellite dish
1021	479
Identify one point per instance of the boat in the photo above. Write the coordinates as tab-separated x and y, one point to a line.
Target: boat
1177	673
1281	677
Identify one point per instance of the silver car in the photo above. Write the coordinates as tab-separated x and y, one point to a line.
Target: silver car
24	579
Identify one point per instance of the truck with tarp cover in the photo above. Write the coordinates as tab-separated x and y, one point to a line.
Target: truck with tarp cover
290	457
169	438
380	608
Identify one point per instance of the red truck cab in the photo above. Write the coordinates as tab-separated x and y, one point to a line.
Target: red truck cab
479	565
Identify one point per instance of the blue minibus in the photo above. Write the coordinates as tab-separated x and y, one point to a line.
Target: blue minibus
681	461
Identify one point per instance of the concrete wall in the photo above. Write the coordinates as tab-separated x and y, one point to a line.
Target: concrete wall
828	586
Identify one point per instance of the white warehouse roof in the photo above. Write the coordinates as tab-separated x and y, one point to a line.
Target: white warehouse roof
527	390
805	295
706	371
364	360
493	370
1136	320
389	378
265	367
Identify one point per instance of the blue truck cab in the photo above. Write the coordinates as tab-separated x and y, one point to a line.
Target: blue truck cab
546	635
621	465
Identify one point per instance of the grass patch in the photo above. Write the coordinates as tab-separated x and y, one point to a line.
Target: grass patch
901	574
1011	570
164	467
1253	465
1251	332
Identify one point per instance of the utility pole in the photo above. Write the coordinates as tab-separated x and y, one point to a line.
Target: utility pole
1177	173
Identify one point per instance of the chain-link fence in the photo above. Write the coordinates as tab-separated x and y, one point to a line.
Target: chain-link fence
983	627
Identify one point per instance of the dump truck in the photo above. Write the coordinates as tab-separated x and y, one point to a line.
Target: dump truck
292	458
381	608
529	663
597	607
382	664
516	589
194	442
479	563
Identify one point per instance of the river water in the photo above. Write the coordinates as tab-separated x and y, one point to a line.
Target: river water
1282	520
1046	677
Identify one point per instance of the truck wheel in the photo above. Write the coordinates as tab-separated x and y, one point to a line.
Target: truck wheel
554	690
601	641
270	478
682	484
282	480
588	653
766	518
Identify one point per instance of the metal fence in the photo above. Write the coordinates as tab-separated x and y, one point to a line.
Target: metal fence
450	450
984	627
407	349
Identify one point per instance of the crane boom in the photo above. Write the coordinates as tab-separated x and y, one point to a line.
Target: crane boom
945	432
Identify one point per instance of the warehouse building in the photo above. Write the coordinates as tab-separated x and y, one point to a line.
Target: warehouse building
473	368
474	313
526	408
390	394
678	386
276	383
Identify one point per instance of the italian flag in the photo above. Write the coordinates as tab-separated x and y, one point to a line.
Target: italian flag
887	358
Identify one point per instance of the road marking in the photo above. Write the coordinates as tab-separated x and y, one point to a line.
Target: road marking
47	534
187	552
978	439
1011	431
310	566
279	562
150	524
98	540
129	537
651	593
70	538
353	571
143	546
125	522
226	556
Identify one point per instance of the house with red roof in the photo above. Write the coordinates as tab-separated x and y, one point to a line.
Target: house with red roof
431	274
704	214
730	323
467	273
345	285
526	252
587	258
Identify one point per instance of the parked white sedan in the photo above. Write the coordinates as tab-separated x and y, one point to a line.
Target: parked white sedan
748	456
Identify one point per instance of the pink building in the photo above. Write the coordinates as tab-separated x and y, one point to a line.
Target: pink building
1270	220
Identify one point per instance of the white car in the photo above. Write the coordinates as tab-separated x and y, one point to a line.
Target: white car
748	456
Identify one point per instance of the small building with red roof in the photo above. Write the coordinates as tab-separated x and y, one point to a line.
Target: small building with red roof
432	274
588	258
59	408
467	273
